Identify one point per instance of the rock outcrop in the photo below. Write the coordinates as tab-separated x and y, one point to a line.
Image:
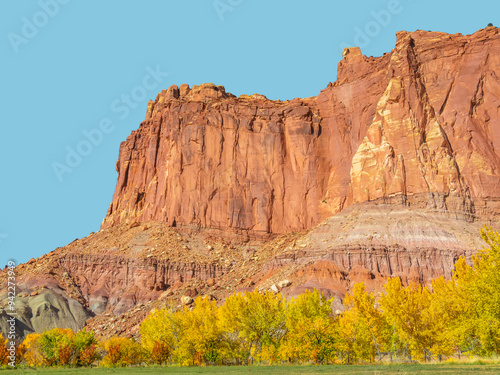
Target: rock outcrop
417	126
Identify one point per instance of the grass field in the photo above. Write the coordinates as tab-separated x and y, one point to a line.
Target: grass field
456	369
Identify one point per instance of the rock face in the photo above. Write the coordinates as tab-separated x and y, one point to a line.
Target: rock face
43	303
120	282
419	125
370	242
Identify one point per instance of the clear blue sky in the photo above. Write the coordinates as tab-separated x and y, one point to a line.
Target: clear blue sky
69	66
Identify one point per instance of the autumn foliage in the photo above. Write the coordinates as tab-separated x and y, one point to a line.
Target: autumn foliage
4	354
121	351
160	353
89	355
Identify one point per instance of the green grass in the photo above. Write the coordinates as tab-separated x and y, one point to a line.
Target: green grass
440	369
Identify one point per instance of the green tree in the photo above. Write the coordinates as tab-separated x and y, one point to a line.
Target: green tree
51	341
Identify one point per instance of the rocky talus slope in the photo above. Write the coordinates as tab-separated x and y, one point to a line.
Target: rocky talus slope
389	171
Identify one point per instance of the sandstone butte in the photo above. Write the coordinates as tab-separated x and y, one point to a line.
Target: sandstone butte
390	171
418	125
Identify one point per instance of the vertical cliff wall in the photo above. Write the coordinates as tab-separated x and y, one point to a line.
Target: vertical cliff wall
419	125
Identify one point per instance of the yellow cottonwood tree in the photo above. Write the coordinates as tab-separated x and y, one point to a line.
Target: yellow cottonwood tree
364	331
202	339
310	329
487	291
446	307
418	321
229	320
475	287
162	325
258	319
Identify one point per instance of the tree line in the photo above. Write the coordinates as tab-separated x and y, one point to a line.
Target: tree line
413	322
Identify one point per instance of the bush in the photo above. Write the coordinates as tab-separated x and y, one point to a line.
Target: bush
161	353
66	354
51	342
85	342
59	346
34	354
89	355
20	353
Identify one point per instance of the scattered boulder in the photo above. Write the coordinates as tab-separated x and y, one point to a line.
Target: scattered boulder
166	294
191	292
186	300
284	283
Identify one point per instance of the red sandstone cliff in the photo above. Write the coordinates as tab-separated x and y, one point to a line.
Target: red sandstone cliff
404	149
418	125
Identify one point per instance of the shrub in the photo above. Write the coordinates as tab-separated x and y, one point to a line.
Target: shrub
50	342
33	353
82	342
20	353
65	354
114	354
161	352
89	355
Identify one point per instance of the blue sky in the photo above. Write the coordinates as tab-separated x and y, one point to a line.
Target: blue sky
76	77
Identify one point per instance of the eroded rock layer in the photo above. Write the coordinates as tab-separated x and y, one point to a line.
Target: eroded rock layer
418	125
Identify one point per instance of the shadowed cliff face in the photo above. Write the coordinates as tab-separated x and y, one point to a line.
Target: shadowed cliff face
420	123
